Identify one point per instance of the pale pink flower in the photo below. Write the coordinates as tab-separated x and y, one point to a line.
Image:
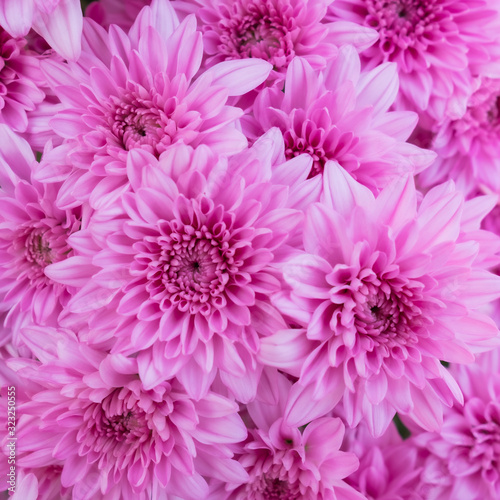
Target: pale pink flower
342	114
286	462
185	275
467	149
463	459
93	416
138	91
277	31
437	45
20	77
58	21
386	288
34	235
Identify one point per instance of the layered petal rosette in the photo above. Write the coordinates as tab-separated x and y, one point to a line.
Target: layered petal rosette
435	43
342	114
380	475
185	274
34	234
276	31
138	91
93	418
385	289
462	460
287	463
467	148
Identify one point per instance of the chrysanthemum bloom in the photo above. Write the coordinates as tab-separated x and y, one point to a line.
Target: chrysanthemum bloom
58	21
137	91
277	31
93	415
186	273
386	288
342	114
437	45
468	149
389	468
287	463
463	460
20	77
34	234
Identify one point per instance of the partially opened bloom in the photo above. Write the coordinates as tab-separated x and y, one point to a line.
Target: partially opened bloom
467	148
58	21
93	417
386	288
185	274
287	463
20	77
34	234
276	31
138	91
436	44
342	114
463	459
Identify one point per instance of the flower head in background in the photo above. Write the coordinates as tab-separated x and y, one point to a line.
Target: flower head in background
463	459
59	22
276	31
435	43
386	288
138	91
467	148
34	234
287	463
381	474
342	114
93	416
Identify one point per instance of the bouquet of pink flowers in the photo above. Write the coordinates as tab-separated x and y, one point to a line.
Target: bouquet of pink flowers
250	249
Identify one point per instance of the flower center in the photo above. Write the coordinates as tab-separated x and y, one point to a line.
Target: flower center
322	143
39	245
258	29
190	263
137	121
276	490
404	23
113	422
382	310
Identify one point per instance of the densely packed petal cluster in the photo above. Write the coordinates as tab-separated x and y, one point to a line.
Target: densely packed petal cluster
250	250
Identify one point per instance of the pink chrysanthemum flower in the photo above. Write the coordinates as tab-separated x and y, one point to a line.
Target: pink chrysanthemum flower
276	31
287	463
463	460
436	44
20	77
93	416
138	91
381	474
58	21
467	148
342	114
386	288
34	234
186	274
